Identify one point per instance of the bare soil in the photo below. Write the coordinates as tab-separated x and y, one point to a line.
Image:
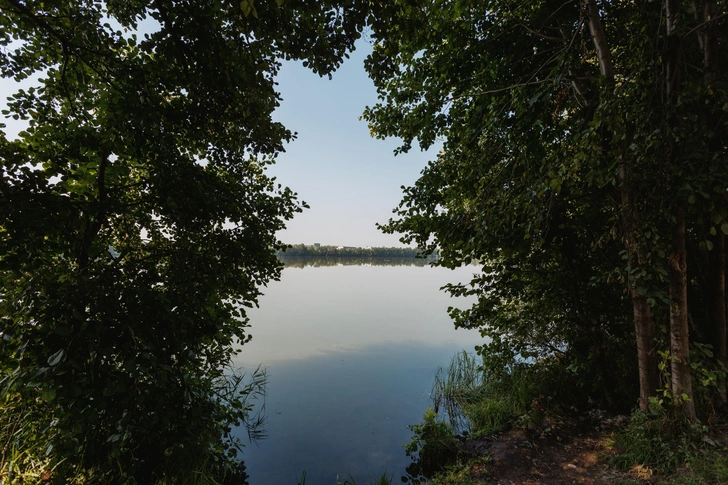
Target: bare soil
573	452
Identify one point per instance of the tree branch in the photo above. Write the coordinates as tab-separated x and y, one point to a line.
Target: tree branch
600	40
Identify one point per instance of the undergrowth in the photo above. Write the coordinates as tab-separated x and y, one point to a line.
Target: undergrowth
474	401
481	402
681	454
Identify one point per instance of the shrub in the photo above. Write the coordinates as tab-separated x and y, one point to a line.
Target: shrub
434	444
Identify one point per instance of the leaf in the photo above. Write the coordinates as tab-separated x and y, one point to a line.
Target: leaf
724	228
56	358
48	395
246	7
63	330
709	245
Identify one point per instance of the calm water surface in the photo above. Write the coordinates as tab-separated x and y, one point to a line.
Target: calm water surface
351	352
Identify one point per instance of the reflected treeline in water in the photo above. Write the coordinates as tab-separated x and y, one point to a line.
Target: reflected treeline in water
317	261
317	250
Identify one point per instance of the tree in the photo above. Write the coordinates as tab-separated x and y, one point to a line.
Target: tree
567	142
137	221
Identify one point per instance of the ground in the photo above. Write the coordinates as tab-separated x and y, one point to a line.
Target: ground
567	452
516	458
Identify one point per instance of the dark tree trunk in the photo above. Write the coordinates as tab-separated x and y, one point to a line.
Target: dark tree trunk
717	333
709	42
644	325
600	40
679	344
716	258
677	261
644	328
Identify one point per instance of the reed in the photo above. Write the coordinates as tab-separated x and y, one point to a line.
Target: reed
483	401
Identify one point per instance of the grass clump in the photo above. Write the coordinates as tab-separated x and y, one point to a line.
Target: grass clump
652	442
472	402
482	401
382	479
682	454
462	473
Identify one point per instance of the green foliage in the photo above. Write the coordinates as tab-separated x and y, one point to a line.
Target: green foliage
655	442
383	479
482	400
462	385
652	441
433	443
19	432
460	473
302	480
561	183
492	415
708	374
137	223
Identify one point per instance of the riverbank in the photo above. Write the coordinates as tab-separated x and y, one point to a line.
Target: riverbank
583	450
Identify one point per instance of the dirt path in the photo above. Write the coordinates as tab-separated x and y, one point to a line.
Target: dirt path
572	454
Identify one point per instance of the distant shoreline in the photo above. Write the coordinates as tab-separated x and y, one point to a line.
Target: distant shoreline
321	251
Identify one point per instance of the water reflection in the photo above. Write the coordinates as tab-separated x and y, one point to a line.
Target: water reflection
344	414
351	353
302	262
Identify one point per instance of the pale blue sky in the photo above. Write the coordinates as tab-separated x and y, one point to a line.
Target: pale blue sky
350	180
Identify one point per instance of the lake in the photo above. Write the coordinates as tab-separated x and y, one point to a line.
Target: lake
351	352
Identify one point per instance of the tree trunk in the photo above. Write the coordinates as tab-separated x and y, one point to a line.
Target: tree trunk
682	388
644	325
717	336
709	42
600	40
716	258
646	353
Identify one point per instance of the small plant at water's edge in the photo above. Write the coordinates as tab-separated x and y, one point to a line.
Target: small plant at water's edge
382	479
433	444
484	401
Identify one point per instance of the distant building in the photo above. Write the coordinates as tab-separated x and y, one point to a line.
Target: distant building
317	245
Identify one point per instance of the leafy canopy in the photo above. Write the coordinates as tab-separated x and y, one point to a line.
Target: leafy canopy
539	148
137	221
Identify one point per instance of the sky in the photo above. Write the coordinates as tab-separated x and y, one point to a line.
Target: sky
350	180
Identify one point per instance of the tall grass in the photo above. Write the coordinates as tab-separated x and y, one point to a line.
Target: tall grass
483	401
666	446
382	479
460	386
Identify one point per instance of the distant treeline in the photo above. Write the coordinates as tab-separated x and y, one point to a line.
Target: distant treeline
303	250
315	261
